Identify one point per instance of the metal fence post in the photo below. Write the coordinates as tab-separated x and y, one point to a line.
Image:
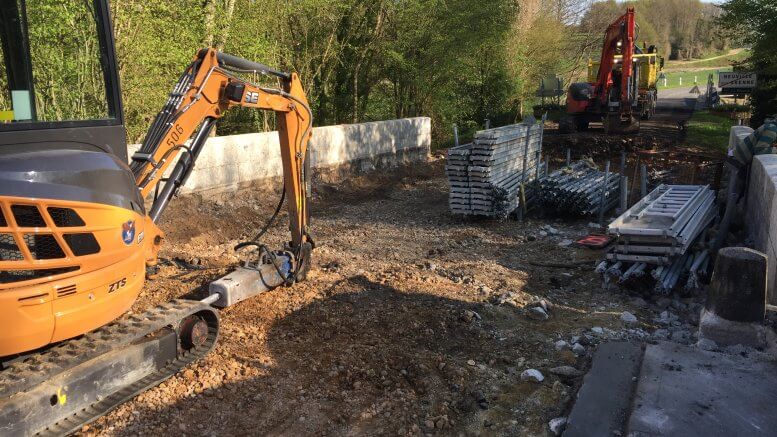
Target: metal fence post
624	194
455	136
643	181
523	168
539	145
537	165
569	156
623	162
604	193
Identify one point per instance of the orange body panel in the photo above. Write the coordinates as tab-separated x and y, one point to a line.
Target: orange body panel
85	292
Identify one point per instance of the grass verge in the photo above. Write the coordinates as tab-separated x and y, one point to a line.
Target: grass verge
679	79
709	130
715	61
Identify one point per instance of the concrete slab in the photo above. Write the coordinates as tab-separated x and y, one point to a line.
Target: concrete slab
737	135
603	402
684	391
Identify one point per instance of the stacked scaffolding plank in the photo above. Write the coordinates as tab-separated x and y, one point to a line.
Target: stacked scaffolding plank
579	189
486	175
658	234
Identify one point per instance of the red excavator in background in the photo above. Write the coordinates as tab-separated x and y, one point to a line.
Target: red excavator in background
620	90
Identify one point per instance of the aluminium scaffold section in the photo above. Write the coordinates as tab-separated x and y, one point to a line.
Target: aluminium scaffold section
579	189
663	225
663	235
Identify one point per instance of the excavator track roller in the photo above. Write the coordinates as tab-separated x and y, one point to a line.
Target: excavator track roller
193	332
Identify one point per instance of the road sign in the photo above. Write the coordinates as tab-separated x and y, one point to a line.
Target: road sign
736	82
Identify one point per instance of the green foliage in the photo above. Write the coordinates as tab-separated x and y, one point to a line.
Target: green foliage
155	41
65	50
755	23
359	60
709	130
682	29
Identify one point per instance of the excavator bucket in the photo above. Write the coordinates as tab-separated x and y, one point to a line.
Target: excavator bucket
617	124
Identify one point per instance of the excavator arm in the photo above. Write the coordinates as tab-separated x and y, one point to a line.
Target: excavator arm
208	88
612	96
618	37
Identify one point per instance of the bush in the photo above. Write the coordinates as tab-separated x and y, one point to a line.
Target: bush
733	111
554	110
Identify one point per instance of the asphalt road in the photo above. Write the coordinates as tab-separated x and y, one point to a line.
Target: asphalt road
676	100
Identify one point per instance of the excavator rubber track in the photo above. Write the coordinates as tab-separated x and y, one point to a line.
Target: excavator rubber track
48	393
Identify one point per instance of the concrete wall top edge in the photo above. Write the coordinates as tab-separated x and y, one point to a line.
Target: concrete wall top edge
232	160
413	132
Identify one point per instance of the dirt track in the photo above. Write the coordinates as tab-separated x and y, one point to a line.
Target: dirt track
412	321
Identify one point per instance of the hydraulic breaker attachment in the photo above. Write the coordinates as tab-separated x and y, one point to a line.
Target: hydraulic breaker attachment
262	271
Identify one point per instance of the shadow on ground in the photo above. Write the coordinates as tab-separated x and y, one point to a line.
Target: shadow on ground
368	359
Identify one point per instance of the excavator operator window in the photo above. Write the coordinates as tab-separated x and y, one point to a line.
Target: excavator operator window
52	68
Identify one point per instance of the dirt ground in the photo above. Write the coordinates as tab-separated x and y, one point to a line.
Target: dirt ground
412	321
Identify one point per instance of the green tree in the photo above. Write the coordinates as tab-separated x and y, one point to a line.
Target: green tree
755	22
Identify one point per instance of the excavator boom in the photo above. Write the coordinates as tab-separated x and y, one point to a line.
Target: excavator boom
207	90
618	39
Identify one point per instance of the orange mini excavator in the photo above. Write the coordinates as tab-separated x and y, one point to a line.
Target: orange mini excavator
76	236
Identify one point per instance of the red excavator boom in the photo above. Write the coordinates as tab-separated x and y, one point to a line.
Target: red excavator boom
612	97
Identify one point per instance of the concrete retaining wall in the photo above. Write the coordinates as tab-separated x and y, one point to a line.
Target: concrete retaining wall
761	216
229	162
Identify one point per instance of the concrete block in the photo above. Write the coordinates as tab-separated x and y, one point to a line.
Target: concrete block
761	216
684	391
603	402
737	135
